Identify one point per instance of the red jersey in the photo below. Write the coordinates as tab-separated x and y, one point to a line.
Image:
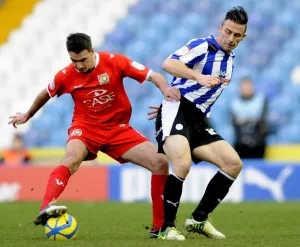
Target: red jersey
100	98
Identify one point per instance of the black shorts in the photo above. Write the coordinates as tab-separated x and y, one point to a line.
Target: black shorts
183	118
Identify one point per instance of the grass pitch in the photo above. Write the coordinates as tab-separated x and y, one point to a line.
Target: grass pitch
115	224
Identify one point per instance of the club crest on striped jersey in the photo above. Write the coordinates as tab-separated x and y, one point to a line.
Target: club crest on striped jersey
103	79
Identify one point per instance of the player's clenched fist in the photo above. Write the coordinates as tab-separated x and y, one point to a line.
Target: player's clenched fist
209	80
19	118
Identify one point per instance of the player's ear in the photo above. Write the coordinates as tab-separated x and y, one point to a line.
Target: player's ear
220	28
92	50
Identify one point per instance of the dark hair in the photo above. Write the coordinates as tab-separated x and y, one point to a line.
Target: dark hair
238	15
77	42
247	78
18	136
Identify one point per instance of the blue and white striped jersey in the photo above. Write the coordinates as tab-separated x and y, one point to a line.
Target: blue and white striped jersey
208	58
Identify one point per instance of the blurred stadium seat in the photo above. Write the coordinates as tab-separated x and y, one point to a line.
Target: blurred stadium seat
148	31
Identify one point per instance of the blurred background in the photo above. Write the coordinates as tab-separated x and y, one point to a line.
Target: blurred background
258	113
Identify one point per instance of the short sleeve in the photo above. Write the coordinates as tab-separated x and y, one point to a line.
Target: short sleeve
132	69
192	53
56	87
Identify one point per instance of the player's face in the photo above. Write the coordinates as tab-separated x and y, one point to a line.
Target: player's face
17	144
247	89
231	34
83	61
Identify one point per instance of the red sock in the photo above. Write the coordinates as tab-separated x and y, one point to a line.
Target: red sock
56	184
157	192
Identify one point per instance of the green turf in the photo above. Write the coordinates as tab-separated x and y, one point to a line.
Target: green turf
114	224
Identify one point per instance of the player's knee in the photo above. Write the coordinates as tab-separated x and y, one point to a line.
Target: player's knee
160	165
182	169
237	166
72	162
233	167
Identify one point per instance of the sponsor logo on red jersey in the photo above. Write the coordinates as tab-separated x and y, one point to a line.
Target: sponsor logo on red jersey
97	98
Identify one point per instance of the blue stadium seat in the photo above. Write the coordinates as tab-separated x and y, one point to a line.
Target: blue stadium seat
175	8
279	32
136	50
132	23
162	21
266	5
294	5
144	8
296	117
182	35
203	7
227	132
110	47
168	47
294	91
289	133
268	87
286	19
259	20
272	73
150	35
46	122
280	113
120	37
194	20
58	138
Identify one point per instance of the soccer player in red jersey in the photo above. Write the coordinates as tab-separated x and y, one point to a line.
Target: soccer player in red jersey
101	120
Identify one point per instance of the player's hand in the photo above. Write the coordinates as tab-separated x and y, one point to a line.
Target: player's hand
19	118
153	114
209	81
171	93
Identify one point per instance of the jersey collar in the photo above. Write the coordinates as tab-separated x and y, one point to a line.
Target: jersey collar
97	59
213	41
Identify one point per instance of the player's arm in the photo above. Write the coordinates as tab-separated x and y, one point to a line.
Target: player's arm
38	103
41	99
178	69
170	93
141	73
190	54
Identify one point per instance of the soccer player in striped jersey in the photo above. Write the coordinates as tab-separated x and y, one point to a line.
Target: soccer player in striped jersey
202	70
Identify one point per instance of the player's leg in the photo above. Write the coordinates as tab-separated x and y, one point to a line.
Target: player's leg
76	151
173	135
128	145
145	155
177	148
225	157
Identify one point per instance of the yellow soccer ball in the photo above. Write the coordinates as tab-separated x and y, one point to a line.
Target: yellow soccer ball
62	228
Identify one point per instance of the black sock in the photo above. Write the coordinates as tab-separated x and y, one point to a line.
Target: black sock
172	194
215	192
